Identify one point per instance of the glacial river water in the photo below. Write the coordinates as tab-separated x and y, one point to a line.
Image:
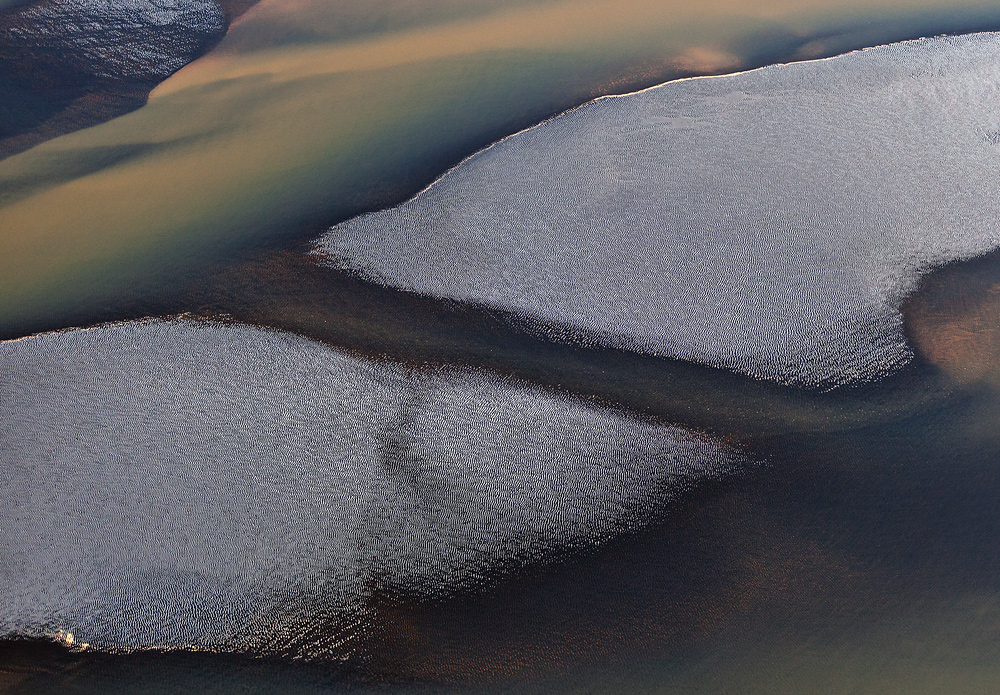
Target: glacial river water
300	119
853	549
856	556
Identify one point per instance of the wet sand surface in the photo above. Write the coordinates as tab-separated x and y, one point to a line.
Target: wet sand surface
953	320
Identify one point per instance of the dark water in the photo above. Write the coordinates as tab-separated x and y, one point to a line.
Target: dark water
858	561
67	65
862	556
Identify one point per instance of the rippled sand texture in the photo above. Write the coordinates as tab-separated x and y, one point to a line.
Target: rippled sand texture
769	222
294	125
223	486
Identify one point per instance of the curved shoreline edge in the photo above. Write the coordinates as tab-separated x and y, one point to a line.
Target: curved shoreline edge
65	70
151	273
231	488
803	220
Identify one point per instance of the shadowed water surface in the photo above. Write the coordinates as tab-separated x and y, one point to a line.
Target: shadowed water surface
864	561
67	64
861	559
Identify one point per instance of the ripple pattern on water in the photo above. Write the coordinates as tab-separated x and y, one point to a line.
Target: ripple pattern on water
768	222
111	39
220	486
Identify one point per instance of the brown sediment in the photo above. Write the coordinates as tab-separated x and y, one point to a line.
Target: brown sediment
699	61
291	291
283	22
953	320
234	9
290	134
726	573
776	570
88	109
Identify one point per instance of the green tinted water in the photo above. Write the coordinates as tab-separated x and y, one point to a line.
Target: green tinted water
861	557
273	137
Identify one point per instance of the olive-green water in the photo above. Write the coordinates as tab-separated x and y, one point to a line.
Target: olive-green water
862	556
311	112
